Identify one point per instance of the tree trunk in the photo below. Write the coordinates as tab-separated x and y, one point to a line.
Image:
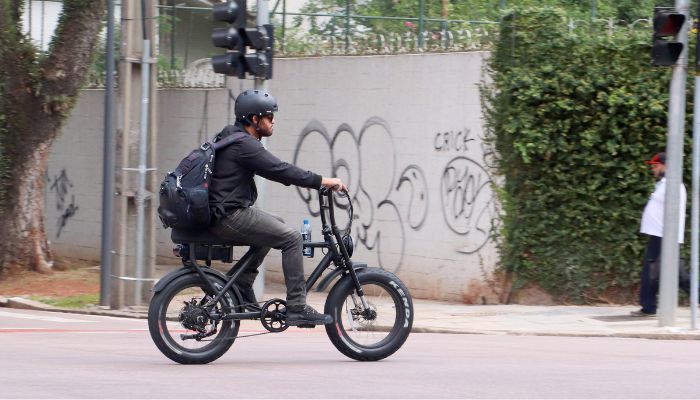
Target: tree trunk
445	11
25	244
38	91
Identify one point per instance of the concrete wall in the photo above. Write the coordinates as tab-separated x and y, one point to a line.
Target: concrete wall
403	131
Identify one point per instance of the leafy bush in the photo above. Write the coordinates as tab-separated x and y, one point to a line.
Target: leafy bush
572	116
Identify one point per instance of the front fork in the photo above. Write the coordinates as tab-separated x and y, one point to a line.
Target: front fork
358	288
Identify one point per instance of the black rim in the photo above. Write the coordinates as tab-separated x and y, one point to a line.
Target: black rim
389	333
170	328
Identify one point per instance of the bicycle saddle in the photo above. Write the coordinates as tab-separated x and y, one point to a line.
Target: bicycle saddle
206	236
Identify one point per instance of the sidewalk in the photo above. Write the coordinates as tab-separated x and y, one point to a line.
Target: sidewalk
442	317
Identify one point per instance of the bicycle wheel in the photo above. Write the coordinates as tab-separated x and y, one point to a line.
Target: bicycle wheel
374	333
181	327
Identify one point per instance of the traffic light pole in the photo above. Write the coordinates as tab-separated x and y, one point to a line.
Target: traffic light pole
668	288
262	18
238	39
695	213
108	165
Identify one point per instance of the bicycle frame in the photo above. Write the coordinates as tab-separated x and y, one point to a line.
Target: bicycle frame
333	241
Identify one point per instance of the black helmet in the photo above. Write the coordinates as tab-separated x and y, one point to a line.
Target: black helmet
254	102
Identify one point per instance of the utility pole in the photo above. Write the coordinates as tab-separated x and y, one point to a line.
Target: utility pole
695	213
262	18
668	288
238	61
107	165
135	181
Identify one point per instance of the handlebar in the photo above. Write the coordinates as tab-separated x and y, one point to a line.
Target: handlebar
324	191
327	193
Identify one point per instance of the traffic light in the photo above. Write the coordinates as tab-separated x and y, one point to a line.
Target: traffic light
235	13
237	38
667	24
261	39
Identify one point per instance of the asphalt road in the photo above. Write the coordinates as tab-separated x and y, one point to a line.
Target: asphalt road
54	355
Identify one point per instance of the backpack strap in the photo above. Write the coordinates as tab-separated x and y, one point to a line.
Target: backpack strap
221	143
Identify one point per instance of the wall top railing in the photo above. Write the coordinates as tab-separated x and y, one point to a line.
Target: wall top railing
184	43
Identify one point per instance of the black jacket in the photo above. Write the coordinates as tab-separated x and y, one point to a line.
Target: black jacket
232	185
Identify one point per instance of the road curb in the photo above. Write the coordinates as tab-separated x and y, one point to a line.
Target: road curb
510	332
25	304
22	303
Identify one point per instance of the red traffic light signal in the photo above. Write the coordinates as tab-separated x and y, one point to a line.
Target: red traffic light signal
667	23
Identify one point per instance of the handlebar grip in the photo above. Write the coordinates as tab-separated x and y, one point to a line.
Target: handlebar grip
324	190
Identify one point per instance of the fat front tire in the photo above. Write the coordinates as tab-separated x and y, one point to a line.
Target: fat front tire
174	314
377	332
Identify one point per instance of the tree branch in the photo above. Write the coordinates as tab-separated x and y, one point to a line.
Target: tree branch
70	54
17	58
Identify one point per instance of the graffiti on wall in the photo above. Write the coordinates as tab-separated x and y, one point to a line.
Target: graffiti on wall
390	201
61	186
387	200
468	203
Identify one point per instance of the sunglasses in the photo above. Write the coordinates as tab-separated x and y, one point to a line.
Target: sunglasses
269	116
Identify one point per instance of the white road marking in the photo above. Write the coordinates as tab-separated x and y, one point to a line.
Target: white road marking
39	317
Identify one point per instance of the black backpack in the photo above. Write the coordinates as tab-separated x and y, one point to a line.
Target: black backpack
184	193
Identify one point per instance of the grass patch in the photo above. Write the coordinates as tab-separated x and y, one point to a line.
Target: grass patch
78	301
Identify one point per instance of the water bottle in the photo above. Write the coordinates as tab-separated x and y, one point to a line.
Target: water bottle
307	250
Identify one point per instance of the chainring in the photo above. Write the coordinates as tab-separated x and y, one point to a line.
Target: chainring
273	315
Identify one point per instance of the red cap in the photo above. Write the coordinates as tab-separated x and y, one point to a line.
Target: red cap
659	158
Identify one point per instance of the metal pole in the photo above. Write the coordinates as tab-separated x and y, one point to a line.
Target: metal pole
284	24
695	214
262	18
421	23
29	18
108	164
445	41
594	9
143	157
668	287
347	26
43	16
172	34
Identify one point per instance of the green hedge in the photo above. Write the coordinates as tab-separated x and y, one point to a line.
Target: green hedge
572	117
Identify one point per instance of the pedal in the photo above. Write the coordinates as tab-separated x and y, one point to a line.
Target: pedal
306	326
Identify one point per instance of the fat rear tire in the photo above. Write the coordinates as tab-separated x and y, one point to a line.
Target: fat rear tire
165	329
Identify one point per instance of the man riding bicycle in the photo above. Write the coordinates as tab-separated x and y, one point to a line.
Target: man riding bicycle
232	193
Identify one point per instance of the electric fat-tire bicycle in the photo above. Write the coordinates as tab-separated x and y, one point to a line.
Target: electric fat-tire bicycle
196	311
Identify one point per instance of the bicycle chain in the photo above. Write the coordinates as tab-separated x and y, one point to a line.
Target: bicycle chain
242	336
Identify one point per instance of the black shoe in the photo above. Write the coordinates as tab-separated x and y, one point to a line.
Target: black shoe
304	316
641	313
248	297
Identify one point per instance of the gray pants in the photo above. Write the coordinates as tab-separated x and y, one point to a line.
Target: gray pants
262	231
